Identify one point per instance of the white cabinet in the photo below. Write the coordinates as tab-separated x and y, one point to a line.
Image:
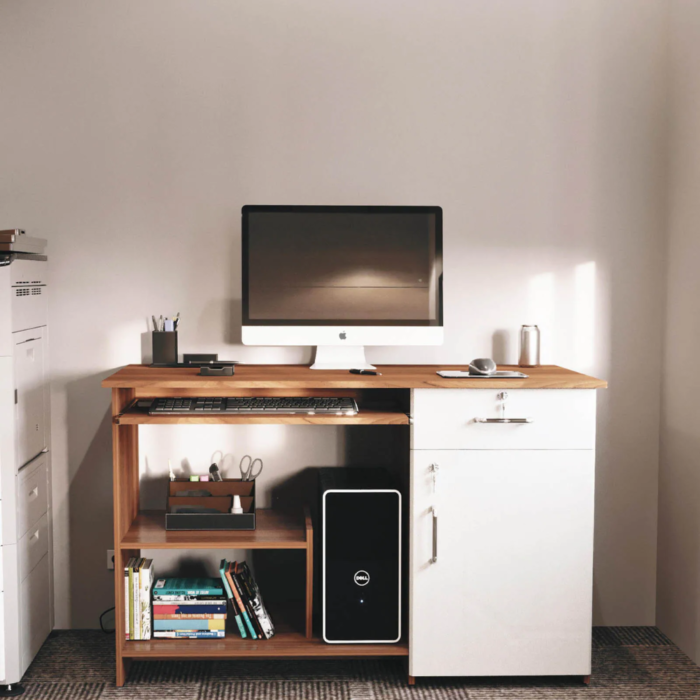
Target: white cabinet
30	388
501	541
26	602
35	611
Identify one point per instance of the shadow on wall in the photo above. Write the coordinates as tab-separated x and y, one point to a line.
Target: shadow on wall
679	538
89	501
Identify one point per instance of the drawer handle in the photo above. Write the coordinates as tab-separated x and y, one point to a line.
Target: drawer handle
35	536
33	493
433	560
504	421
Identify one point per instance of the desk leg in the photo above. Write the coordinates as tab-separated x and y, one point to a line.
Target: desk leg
125	479
121	558
309	575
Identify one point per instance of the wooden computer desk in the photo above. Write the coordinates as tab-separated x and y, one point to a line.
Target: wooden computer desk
511	590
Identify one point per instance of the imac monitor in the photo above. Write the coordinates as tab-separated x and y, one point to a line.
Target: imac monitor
341	278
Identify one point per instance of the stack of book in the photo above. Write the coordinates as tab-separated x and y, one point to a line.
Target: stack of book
138	581
189	608
247	604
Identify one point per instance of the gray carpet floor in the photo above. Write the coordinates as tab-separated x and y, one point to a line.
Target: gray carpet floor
629	663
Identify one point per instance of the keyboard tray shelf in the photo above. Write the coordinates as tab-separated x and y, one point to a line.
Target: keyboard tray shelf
364	417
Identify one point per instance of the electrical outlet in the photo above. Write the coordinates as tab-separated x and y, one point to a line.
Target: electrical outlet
110	559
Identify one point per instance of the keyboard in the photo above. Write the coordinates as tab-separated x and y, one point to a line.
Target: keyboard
264	404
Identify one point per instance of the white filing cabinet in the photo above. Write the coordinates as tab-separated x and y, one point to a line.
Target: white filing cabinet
501	520
26	600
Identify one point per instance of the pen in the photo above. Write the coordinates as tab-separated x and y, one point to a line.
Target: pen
160	324
365	371
155	323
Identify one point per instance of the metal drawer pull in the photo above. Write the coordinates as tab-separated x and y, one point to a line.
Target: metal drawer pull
33	493
35	536
435	535
502	421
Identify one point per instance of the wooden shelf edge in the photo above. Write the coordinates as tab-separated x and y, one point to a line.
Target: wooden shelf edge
276	530
281	646
364	417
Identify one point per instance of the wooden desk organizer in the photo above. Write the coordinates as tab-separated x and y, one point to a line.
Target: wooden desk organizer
222	493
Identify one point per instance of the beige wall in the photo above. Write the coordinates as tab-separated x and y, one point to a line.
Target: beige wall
679	479
132	133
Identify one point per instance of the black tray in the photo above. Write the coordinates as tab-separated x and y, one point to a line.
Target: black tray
212	521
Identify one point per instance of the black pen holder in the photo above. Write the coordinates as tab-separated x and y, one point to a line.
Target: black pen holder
164	346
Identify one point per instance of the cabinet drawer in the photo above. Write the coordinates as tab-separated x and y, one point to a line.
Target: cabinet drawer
30	410
33	546
32	499
34	612
448	419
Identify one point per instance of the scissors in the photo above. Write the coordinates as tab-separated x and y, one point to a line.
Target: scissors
248	472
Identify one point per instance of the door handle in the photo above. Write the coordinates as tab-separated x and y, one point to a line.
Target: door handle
433	560
504	421
33	493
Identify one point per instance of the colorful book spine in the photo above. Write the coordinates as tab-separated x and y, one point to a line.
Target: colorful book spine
127	603
202	616
190	634
256	601
245	601
146	582
236	615
130	597
188	587
189	599
239	601
187	609
181	625
135	600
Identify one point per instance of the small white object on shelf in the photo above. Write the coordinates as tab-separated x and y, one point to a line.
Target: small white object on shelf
237	507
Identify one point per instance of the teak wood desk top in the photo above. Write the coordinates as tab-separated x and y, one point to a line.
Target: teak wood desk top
278	377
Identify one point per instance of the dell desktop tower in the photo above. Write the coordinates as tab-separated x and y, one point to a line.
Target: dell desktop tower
361	556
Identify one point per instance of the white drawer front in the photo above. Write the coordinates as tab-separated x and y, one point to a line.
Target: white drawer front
33	546
32	499
448	419
34	612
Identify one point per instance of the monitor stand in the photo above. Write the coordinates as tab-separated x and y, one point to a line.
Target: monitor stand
340	357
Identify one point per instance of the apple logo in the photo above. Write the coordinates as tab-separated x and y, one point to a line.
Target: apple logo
343	335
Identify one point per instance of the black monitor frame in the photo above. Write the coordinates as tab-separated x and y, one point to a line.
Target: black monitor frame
280	209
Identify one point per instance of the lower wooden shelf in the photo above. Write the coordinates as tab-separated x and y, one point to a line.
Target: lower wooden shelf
283	644
288	641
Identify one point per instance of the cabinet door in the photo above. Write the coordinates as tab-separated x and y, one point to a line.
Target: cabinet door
29	379
510	590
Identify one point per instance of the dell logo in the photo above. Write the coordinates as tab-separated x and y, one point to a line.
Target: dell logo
343	335
361	578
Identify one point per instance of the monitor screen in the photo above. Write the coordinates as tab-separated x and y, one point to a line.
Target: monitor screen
362	266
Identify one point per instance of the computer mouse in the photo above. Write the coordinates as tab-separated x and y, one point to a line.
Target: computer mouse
482	366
